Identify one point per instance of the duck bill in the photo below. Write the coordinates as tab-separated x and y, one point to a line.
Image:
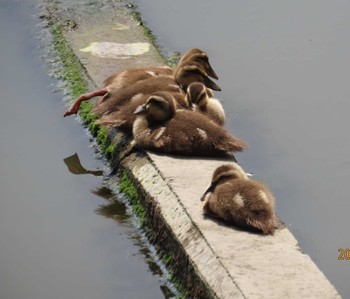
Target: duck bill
209	189
211	73
140	110
211	84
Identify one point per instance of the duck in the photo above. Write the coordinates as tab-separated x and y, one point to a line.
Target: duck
185	73
191	72
235	198
202	101
123	118
110	102
196	98
130	76
160	127
198	57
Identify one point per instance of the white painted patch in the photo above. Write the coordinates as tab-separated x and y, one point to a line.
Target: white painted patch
160	133
238	199
120	26
202	133
153	74
263	196
115	50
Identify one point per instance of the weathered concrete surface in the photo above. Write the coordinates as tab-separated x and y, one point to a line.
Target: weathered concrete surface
232	263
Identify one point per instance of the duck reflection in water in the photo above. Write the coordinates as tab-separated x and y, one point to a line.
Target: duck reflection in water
75	167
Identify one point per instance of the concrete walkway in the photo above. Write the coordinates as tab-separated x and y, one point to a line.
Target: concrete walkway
230	263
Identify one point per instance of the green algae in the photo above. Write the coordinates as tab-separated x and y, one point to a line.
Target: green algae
127	187
73	74
72	69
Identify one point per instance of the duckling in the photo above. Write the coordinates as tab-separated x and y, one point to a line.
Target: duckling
161	128
184	74
121	80
124	117
198	57
111	102
114	101
198	95
132	75
189	72
233	197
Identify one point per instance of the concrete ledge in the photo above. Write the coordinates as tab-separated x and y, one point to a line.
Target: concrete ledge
212	260
180	227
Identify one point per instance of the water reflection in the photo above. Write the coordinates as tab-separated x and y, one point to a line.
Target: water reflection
114	209
118	210
74	166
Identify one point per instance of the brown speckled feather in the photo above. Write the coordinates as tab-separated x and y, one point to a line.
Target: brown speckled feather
124	117
147	86
133	75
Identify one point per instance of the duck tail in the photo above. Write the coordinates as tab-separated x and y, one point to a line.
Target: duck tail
237	145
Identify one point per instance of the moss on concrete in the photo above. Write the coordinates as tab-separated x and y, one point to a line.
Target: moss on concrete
129	189
72	69
73	74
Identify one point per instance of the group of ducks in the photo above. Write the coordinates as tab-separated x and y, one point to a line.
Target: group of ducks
174	111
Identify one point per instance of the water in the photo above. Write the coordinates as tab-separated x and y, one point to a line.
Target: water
54	241
284	70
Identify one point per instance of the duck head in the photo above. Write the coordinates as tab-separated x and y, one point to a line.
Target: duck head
197	56
224	173
159	107
187	74
197	94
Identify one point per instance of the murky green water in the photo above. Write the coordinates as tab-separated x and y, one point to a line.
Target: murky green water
55	240
284	70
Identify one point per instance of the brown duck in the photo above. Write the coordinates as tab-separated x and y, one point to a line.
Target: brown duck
162	128
201	100
236	199
126	84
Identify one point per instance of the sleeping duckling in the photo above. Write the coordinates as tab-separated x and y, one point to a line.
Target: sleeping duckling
241	201
111	102
204	103
185	74
132	75
114	101
161	128
123	118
